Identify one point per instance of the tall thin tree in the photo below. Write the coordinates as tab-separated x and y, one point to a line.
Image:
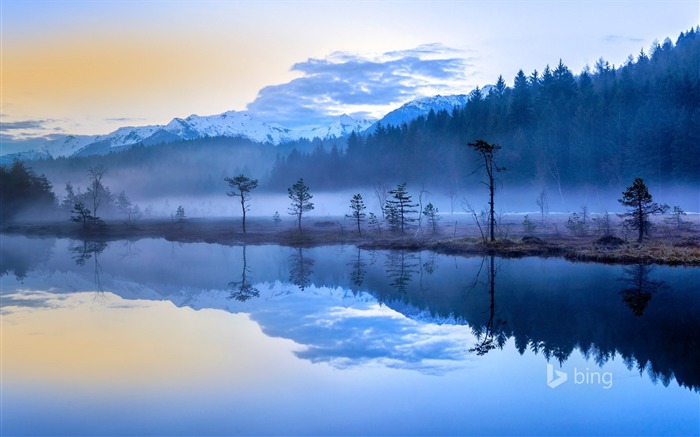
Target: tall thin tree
487	151
241	186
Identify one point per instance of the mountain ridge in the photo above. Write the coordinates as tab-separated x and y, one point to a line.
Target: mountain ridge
234	124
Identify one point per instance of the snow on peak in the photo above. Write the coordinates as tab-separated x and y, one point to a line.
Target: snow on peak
342	126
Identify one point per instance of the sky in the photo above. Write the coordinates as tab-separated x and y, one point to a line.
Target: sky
91	66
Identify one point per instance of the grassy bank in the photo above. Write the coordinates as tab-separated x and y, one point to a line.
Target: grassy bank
669	245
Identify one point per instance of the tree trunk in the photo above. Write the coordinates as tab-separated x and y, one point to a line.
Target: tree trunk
243	208
493	218
640	217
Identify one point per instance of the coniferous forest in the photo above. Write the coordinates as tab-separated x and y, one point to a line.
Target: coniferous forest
603	127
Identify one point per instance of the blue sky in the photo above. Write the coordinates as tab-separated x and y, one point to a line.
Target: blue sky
88	67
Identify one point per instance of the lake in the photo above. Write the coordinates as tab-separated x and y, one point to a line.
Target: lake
152	337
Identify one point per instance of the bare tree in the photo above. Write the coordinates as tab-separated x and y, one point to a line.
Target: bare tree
543	203
382	192
466	206
96	190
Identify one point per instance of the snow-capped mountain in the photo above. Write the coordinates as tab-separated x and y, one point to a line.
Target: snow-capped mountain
342	126
230	124
418	107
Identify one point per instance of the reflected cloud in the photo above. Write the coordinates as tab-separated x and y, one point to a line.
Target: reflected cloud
367	333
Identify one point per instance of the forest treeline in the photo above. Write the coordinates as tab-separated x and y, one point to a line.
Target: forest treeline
602	128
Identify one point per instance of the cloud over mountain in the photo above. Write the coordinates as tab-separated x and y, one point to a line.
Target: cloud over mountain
345	82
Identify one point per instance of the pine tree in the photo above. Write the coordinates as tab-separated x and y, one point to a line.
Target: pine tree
638	199
431	213
400	208
357	206
301	200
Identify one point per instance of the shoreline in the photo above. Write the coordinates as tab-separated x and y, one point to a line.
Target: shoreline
679	250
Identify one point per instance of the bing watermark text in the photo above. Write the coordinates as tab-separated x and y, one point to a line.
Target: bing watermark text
555	378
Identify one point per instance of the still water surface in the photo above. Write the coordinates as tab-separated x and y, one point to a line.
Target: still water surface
159	338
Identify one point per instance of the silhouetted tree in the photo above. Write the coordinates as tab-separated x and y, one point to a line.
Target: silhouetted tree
487	151
96	191
241	186
81	214
639	202
431	214
301	200
127	209
374	222
21	189
180	216
357	207
399	208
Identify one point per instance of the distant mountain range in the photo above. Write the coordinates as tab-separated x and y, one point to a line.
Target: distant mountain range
237	124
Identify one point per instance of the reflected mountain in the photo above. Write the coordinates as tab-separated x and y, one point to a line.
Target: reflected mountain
414	310
19	255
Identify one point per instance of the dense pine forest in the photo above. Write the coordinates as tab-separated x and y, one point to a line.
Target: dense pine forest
601	128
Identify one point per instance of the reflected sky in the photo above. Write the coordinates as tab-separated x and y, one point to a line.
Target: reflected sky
164	349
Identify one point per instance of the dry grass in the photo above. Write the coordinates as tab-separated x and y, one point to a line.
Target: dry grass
459	236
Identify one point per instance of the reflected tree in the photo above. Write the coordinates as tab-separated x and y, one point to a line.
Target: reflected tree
300	269
357	275
242	290
400	268
90	249
489	336
639	288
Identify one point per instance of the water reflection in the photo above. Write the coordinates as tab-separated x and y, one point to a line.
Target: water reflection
300	269
242	290
85	250
491	335
413	308
357	275
639	287
400	267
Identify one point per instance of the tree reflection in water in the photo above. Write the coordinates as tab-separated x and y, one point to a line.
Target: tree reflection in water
90	249
400	268
357	275
300	269
639	287
242	290
491	335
